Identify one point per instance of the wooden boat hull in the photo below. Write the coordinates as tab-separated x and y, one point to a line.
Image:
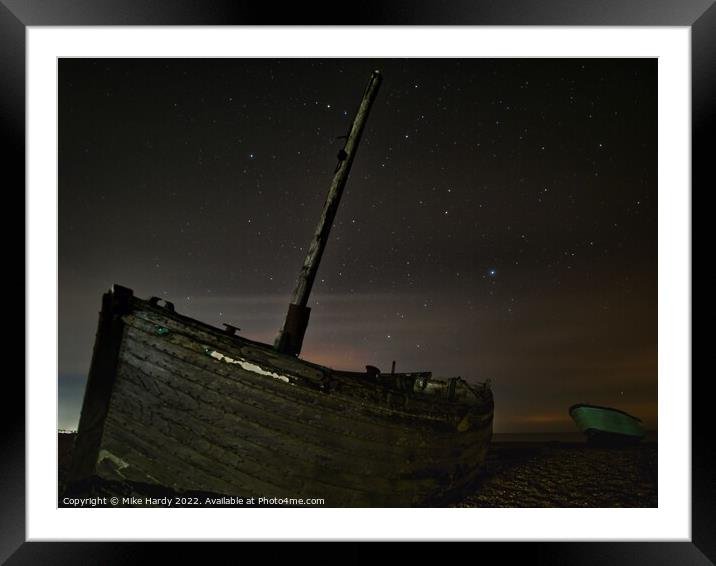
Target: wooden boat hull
604	425
176	403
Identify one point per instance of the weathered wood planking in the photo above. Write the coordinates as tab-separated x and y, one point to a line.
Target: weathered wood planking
275	471
421	407
318	409
192	408
173	355
257	432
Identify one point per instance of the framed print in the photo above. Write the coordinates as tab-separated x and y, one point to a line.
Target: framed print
495	345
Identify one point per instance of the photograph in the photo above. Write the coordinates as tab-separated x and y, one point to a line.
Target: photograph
353	282
413	272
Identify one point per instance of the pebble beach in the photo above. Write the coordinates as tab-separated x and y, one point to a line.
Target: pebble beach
566	474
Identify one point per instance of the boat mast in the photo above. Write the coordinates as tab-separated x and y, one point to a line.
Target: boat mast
290	338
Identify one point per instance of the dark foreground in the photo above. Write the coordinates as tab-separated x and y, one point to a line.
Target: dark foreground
539	474
561	474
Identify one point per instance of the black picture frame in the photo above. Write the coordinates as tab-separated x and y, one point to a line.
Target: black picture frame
16	15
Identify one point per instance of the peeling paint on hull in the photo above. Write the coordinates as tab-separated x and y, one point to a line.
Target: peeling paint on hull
248	366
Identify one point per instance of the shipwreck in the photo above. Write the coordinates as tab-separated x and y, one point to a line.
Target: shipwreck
175	403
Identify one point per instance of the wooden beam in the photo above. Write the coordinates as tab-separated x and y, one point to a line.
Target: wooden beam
290	338
100	382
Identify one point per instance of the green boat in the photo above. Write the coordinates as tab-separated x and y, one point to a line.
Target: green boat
605	425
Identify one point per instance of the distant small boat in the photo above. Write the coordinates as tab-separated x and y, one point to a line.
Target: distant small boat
605	425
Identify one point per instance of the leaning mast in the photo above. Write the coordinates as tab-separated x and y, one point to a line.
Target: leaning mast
290	337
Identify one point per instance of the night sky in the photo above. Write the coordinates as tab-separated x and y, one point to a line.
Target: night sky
499	222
